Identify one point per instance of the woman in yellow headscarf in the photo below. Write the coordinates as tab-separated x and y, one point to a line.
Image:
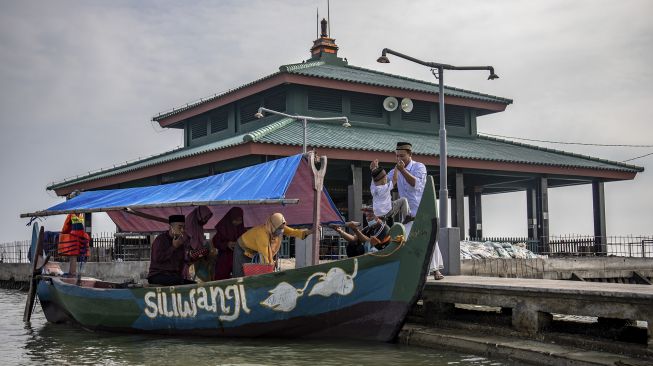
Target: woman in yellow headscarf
265	240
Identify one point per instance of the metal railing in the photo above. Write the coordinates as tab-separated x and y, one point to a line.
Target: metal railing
108	247
332	246
14	252
583	245
104	247
119	247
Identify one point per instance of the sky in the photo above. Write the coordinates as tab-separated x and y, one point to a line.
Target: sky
81	80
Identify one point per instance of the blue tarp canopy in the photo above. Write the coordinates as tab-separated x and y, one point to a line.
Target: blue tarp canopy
286	181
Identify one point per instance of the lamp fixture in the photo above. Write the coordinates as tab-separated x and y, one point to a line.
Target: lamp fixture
303	119
383	59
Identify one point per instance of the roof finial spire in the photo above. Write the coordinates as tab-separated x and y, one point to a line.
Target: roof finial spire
324	28
324	47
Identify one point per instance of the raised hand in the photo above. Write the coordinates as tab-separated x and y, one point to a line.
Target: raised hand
400	165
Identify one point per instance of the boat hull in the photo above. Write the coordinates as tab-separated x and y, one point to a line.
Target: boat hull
366	297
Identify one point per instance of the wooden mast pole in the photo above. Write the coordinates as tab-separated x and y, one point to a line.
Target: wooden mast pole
318	184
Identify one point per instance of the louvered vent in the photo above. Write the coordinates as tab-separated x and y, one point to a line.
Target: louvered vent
455	116
247	112
321	100
198	128
367	105
219	121
421	112
276	102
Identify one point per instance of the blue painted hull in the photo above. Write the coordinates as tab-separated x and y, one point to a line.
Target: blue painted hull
366	297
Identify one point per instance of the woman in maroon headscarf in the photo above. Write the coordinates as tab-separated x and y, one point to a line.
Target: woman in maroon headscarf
228	230
198	254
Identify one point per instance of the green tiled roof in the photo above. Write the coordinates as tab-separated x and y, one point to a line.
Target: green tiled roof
359	75
333	135
353	74
151	161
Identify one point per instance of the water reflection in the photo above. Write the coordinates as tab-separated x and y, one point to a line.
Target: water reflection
41	343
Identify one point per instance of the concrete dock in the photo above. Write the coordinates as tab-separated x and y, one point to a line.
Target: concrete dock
520	350
532	301
515	319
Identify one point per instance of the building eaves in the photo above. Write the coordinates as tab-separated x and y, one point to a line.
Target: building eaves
333	135
353	74
377	78
174	155
588	157
150	161
201	101
325	135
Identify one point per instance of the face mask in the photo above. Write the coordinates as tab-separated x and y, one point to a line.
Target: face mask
371	220
278	232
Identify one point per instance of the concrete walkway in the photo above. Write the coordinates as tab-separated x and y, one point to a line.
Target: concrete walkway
550	286
532	301
523	350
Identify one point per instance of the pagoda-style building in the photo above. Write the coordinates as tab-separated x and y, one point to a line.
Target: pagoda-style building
221	133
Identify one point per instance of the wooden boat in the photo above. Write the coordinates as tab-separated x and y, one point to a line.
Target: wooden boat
366	297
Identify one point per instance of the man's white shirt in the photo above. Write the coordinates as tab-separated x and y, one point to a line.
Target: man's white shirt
412	194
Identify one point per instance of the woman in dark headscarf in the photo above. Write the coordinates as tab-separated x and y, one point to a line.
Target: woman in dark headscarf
197	252
228	230
195	222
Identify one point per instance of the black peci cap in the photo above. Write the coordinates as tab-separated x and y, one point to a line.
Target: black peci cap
404	146
378	174
176	218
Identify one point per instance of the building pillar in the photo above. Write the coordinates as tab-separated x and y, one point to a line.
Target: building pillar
458	205
355	194
531	212
598	202
542	203
88	223
475	212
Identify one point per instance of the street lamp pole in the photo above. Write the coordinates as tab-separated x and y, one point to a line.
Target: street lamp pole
304	119
318	183
449	244
444	192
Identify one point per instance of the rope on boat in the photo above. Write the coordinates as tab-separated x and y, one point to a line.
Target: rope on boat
399	239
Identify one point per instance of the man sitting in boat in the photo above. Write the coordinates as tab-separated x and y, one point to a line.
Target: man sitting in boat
265	240
372	238
168	252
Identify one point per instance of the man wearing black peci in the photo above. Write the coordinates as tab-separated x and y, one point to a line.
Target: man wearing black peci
168	255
